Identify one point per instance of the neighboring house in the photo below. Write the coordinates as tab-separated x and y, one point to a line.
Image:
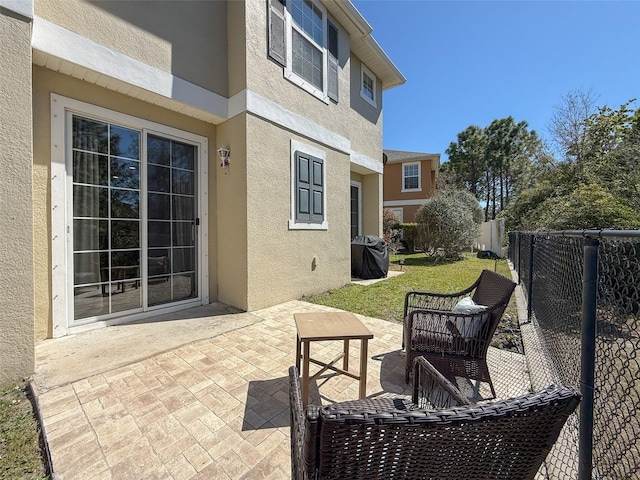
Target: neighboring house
409	179
159	156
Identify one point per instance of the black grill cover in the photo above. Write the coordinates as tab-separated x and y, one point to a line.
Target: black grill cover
369	257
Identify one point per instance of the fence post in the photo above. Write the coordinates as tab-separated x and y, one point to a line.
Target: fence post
530	279
519	255
587	356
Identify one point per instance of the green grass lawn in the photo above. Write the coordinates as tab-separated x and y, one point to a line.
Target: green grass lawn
385	300
20	454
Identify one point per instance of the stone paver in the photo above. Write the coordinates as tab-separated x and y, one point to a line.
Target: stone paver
216	408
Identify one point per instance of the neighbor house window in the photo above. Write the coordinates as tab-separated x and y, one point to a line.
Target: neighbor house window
399	213
305	43
308	196
368	86
411	177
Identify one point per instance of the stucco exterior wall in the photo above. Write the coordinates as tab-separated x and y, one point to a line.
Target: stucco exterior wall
392	181
372	198
16	228
231	193
409	213
371	202
237	43
350	118
187	39
280	261
46	82
368	119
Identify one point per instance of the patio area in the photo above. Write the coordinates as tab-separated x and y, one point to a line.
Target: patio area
203	394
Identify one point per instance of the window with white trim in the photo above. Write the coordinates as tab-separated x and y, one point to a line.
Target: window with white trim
399	213
305	43
308	188
368	86
307	40
411	177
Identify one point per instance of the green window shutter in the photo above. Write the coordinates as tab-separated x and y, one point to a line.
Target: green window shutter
309	188
277	32
317	191
333	66
303	188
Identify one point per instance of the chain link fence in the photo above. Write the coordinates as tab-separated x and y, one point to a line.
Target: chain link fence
587	340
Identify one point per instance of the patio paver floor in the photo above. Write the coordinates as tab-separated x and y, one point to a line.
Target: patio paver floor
216	408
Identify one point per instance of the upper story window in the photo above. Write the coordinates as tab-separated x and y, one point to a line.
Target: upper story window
368	86
307	38
411	177
305	43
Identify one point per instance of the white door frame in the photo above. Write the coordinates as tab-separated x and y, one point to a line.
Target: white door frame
61	216
358	185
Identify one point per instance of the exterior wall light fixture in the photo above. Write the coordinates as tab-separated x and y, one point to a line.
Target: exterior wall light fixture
224	153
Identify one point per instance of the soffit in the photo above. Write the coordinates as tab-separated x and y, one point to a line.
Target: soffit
74	70
363	45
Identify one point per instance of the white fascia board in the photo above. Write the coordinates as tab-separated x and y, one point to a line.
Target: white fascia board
369	163
388	73
356	17
403	203
21	7
237	104
391	67
264	108
61	43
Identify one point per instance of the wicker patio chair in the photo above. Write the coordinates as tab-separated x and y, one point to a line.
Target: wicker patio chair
391	438
455	343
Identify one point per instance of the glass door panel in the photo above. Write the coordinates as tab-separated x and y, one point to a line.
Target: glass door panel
355	211
171	229
106	218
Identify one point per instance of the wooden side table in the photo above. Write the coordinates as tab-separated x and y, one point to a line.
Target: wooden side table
321	326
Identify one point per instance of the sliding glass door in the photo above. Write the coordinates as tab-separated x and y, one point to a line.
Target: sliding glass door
134	197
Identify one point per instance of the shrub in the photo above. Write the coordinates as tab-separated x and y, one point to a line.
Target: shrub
409	235
447	224
390	231
589	206
390	222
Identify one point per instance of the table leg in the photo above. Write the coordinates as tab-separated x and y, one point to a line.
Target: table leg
305	373
345	360
363	367
298	353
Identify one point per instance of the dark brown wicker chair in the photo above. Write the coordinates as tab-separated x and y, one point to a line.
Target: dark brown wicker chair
455	343
387	438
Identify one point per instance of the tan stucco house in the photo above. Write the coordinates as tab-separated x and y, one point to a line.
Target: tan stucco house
163	155
409	180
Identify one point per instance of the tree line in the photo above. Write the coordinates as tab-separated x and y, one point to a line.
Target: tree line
591	180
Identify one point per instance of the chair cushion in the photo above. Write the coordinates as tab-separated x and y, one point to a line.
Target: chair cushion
469	327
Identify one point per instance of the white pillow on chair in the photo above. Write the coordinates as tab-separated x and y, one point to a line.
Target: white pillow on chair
469	327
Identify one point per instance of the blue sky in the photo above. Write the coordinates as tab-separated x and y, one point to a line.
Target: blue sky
468	63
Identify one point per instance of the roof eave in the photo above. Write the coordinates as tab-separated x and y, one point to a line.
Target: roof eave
364	45
392	78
